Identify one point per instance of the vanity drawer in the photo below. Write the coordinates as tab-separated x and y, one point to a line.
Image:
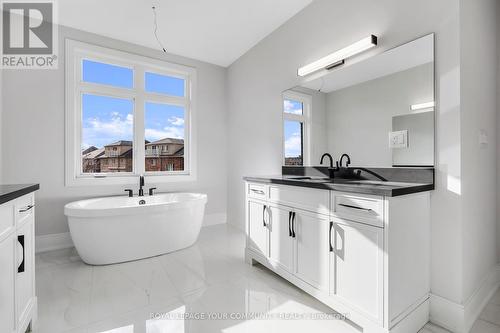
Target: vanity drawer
24	208
364	209
257	191
314	200
6	219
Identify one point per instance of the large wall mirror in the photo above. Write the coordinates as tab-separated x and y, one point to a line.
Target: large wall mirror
380	111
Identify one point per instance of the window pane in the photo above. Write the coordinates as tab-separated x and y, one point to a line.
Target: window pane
292	107
294	142
164	132
107	134
162	84
98	72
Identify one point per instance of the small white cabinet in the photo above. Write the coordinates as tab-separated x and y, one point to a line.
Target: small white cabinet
281	237
257	228
17	273
312	248
24	272
7	275
357	267
350	251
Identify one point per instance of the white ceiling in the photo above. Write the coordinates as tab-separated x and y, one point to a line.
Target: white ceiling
409	55
215	31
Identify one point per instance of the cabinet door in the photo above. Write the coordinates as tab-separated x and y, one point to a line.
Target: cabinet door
257	227
312	248
281	241
7	274
357	264
24	270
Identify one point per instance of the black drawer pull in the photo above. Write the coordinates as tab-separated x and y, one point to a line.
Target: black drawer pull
25	209
330	236
264	216
20	239
356	207
257	191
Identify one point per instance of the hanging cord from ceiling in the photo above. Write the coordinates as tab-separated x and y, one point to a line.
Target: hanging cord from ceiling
322	84
155	29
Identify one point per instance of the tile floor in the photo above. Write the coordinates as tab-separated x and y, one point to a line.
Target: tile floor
156	295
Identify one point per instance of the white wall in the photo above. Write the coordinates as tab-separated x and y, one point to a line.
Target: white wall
1	113
33	134
478	114
368	108
498	135
255	82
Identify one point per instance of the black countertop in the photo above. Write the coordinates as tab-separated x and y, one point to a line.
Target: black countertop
13	191
374	187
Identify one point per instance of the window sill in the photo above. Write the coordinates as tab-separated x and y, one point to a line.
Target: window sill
128	180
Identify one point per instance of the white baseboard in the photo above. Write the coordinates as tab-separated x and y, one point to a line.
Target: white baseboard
459	318
63	240
52	242
213	219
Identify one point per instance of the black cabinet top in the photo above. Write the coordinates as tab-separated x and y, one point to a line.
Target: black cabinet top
382	188
13	191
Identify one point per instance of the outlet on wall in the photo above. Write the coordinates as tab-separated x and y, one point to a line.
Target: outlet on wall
398	139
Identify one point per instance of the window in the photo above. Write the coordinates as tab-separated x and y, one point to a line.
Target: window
296	113
122	113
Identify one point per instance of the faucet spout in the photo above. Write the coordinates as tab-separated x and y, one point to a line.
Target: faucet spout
329	156
347	162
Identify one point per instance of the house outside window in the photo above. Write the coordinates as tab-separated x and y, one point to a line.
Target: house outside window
127	115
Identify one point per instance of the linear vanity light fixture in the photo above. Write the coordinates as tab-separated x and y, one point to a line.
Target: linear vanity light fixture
338	58
422	106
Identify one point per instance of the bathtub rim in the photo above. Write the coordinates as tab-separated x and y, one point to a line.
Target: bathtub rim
71	211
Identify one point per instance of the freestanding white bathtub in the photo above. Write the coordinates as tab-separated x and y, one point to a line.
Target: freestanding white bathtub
117	229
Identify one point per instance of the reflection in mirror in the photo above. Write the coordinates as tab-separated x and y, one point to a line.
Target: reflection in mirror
380	111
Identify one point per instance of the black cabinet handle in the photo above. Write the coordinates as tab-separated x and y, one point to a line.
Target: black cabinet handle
20	239
289	224
257	191
293	224
330	236
264	215
25	209
356	207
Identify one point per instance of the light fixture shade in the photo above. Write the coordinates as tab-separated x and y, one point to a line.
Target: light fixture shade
339	56
422	106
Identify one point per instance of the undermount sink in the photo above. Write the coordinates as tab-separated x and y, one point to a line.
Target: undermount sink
341	181
377	183
311	179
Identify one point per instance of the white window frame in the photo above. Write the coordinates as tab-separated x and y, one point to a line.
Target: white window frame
77	51
304	118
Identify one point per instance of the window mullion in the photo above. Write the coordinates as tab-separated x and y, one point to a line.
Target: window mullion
139	135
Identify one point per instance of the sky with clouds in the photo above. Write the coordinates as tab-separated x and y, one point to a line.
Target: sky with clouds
108	119
293	129
293	138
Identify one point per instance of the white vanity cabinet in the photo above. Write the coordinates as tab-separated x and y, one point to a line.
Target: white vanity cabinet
365	256
17	262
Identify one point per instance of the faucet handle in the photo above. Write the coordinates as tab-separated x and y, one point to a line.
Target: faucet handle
151	190
130	193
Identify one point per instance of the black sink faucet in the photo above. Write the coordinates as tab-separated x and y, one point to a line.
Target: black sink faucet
342	158
329	156
141	184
